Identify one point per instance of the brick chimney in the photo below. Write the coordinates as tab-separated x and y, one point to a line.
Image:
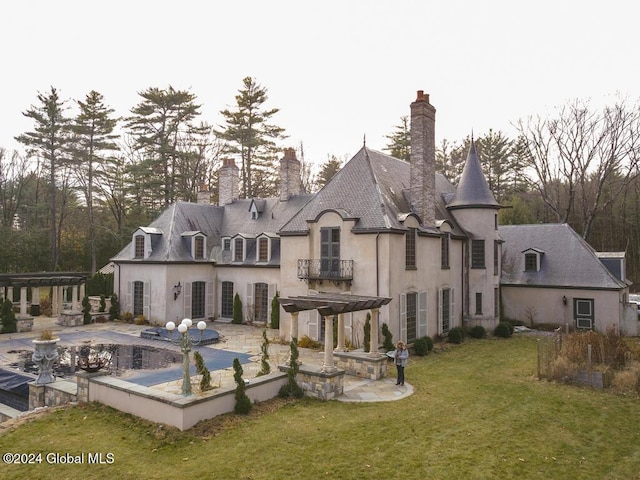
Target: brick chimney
289	175
423	159
204	195
228	187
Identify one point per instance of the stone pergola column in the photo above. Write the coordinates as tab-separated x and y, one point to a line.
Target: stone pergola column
23	300
35	296
56	301
340	347
10	293
82	291
75	305
373	347
293	327
327	365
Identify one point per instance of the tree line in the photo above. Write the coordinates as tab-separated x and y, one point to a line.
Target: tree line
578	165
87	179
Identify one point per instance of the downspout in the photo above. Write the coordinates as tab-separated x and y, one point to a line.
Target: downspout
377	265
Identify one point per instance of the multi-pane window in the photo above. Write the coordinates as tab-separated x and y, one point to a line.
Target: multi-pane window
444	251
198	247
410	249
478	303
239	250
477	254
446	310
226	303
530	262
139	246
197	299
496	257
138	298
330	252
261	298
226	244
263	249
412	316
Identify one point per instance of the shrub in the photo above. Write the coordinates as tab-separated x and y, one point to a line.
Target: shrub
243	402
265	368
201	369
388	338
291	388
503	329
8	317
127	317
101	319
140	320
45	307
477	331
306	342
103	304
456	335
423	346
86	310
114	309
237	310
367	333
275	312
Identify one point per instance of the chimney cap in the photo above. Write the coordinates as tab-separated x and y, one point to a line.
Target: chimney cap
290	153
422	97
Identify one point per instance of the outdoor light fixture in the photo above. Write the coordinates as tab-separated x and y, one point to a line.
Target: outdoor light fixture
177	290
183	338
564	299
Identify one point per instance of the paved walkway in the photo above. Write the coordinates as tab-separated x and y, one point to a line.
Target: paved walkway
235	338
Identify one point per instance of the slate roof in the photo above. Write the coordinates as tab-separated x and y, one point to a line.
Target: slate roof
567	261
473	190
371	188
169	243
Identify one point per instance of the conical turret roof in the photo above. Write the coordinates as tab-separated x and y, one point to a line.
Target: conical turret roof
473	190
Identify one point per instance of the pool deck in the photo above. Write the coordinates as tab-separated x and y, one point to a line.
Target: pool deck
245	339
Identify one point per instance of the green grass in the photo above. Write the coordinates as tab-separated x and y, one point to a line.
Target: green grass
478	412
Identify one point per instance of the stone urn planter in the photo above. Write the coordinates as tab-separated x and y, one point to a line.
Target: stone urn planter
45	354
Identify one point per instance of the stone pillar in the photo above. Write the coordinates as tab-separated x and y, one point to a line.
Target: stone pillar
373	347
327	364
35	296
293	328
82	292
23	301
55	301
341	347
10	293
36	396
75	305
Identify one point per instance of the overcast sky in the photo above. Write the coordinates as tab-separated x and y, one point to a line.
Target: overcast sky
337	70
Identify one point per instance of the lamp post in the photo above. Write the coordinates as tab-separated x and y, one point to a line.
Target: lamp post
182	338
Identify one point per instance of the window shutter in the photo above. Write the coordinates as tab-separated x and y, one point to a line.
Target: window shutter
208	308
187	299
146	301
422	314
314	321
403	317
452	310
440	311
249	309
271	292
128	303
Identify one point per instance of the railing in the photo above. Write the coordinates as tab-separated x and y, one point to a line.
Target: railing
317	269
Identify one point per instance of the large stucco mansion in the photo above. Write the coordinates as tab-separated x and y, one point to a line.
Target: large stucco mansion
382	227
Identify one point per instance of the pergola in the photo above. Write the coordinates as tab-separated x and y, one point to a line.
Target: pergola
58	281
330	306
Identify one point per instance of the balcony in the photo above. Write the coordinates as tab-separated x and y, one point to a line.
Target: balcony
317	270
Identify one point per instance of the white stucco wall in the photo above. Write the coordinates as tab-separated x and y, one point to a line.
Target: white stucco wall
545	305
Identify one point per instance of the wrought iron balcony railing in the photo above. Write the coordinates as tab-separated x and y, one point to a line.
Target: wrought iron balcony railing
317	269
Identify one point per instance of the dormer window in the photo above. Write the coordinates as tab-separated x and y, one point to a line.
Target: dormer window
226	243
139	246
238	250
532	259
198	248
263	249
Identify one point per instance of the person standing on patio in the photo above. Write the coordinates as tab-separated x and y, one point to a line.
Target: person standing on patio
401	355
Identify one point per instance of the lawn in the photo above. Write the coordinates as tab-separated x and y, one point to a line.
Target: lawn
478	412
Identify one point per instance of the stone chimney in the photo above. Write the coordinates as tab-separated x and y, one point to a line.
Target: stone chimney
423	159
204	195
289	175
228	187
